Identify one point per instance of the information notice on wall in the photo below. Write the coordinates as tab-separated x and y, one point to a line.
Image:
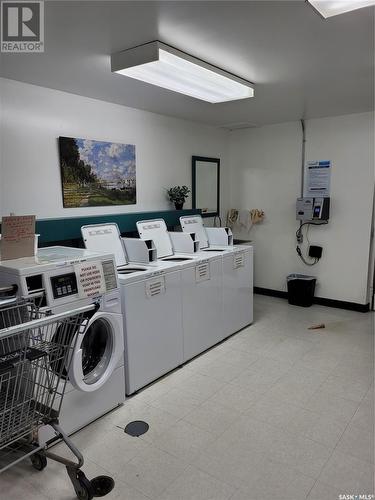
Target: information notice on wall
317	179
18	236
90	279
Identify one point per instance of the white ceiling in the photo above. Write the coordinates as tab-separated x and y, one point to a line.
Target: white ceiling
302	65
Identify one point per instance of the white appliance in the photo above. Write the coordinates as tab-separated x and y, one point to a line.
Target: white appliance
201	281
151	305
95	381
210	238
237	312
237	289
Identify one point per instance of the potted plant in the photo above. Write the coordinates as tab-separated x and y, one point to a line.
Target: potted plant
178	195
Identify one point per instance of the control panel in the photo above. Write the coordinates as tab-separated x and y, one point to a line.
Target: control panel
64	285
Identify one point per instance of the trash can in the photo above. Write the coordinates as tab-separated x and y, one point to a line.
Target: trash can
301	289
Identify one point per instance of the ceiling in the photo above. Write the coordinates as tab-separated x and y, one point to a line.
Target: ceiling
302	66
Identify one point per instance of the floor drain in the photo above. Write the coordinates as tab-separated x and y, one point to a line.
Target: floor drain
136	428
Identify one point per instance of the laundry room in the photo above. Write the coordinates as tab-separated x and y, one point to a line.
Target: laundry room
187	257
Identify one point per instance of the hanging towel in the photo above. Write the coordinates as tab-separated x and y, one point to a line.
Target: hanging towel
256	215
232	217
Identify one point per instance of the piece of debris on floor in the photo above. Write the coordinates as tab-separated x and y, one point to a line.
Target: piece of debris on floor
317	327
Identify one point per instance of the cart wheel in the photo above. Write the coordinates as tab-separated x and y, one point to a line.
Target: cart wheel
39	461
102	485
84	491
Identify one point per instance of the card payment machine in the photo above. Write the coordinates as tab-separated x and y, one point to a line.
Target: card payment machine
312	209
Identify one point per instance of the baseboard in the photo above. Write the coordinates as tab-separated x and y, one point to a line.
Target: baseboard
339	304
271	293
342	304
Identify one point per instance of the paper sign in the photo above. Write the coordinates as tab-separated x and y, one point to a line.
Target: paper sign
18	237
90	279
202	272
317	179
155	286
238	260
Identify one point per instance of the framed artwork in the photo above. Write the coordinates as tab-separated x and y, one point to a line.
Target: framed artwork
97	173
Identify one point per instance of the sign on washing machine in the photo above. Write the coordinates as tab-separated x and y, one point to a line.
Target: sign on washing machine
238	260
202	272
155	286
90	279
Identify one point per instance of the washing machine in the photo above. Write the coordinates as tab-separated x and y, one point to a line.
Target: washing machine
95	382
201	281
152	309
237	311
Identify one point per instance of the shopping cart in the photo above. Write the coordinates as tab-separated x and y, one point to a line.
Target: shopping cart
35	354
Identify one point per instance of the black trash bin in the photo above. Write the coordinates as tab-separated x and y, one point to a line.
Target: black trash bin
301	289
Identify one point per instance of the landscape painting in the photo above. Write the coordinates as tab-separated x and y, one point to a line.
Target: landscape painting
96	173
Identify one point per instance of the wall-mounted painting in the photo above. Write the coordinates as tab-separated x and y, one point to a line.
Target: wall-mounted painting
96	173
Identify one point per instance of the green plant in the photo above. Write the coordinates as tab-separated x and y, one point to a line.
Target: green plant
178	194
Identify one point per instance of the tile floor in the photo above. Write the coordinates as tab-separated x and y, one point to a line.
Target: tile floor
275	412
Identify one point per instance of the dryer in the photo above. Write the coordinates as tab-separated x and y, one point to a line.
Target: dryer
95	383
201	281
237	312
152	309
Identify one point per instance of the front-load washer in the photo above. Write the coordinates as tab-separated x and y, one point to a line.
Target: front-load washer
201	281
95	383
152	310
237	312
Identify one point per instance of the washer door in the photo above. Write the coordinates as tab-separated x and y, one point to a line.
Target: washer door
97	352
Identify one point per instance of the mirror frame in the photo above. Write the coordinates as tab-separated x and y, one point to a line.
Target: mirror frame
195	159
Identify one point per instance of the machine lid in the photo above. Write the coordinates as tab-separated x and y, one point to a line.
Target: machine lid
194	224
105	238
49	258
62	254
157	231
97	352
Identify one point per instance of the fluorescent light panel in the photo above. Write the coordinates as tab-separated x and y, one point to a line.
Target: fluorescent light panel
329	8
164	66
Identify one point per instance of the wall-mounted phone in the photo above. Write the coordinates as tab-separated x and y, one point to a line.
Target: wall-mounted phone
312	209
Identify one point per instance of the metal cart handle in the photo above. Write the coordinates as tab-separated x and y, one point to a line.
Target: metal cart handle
8	295
37	323
8	301
10	290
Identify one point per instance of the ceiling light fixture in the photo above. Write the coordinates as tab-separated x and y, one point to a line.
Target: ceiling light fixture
164	66
329	8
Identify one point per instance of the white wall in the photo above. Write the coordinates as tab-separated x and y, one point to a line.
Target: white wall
266	173
34	117
263	172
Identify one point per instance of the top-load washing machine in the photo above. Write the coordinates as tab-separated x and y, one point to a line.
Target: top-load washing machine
201	282
152	309
237	309
95	383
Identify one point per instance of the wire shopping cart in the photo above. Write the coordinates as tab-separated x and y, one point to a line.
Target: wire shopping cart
35	354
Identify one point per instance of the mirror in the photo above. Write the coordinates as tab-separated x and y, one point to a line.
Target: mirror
206	185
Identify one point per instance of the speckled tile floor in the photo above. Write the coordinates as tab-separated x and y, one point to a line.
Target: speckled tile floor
275	412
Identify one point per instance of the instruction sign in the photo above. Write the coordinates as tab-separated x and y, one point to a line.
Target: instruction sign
317	179
18	236
90	279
